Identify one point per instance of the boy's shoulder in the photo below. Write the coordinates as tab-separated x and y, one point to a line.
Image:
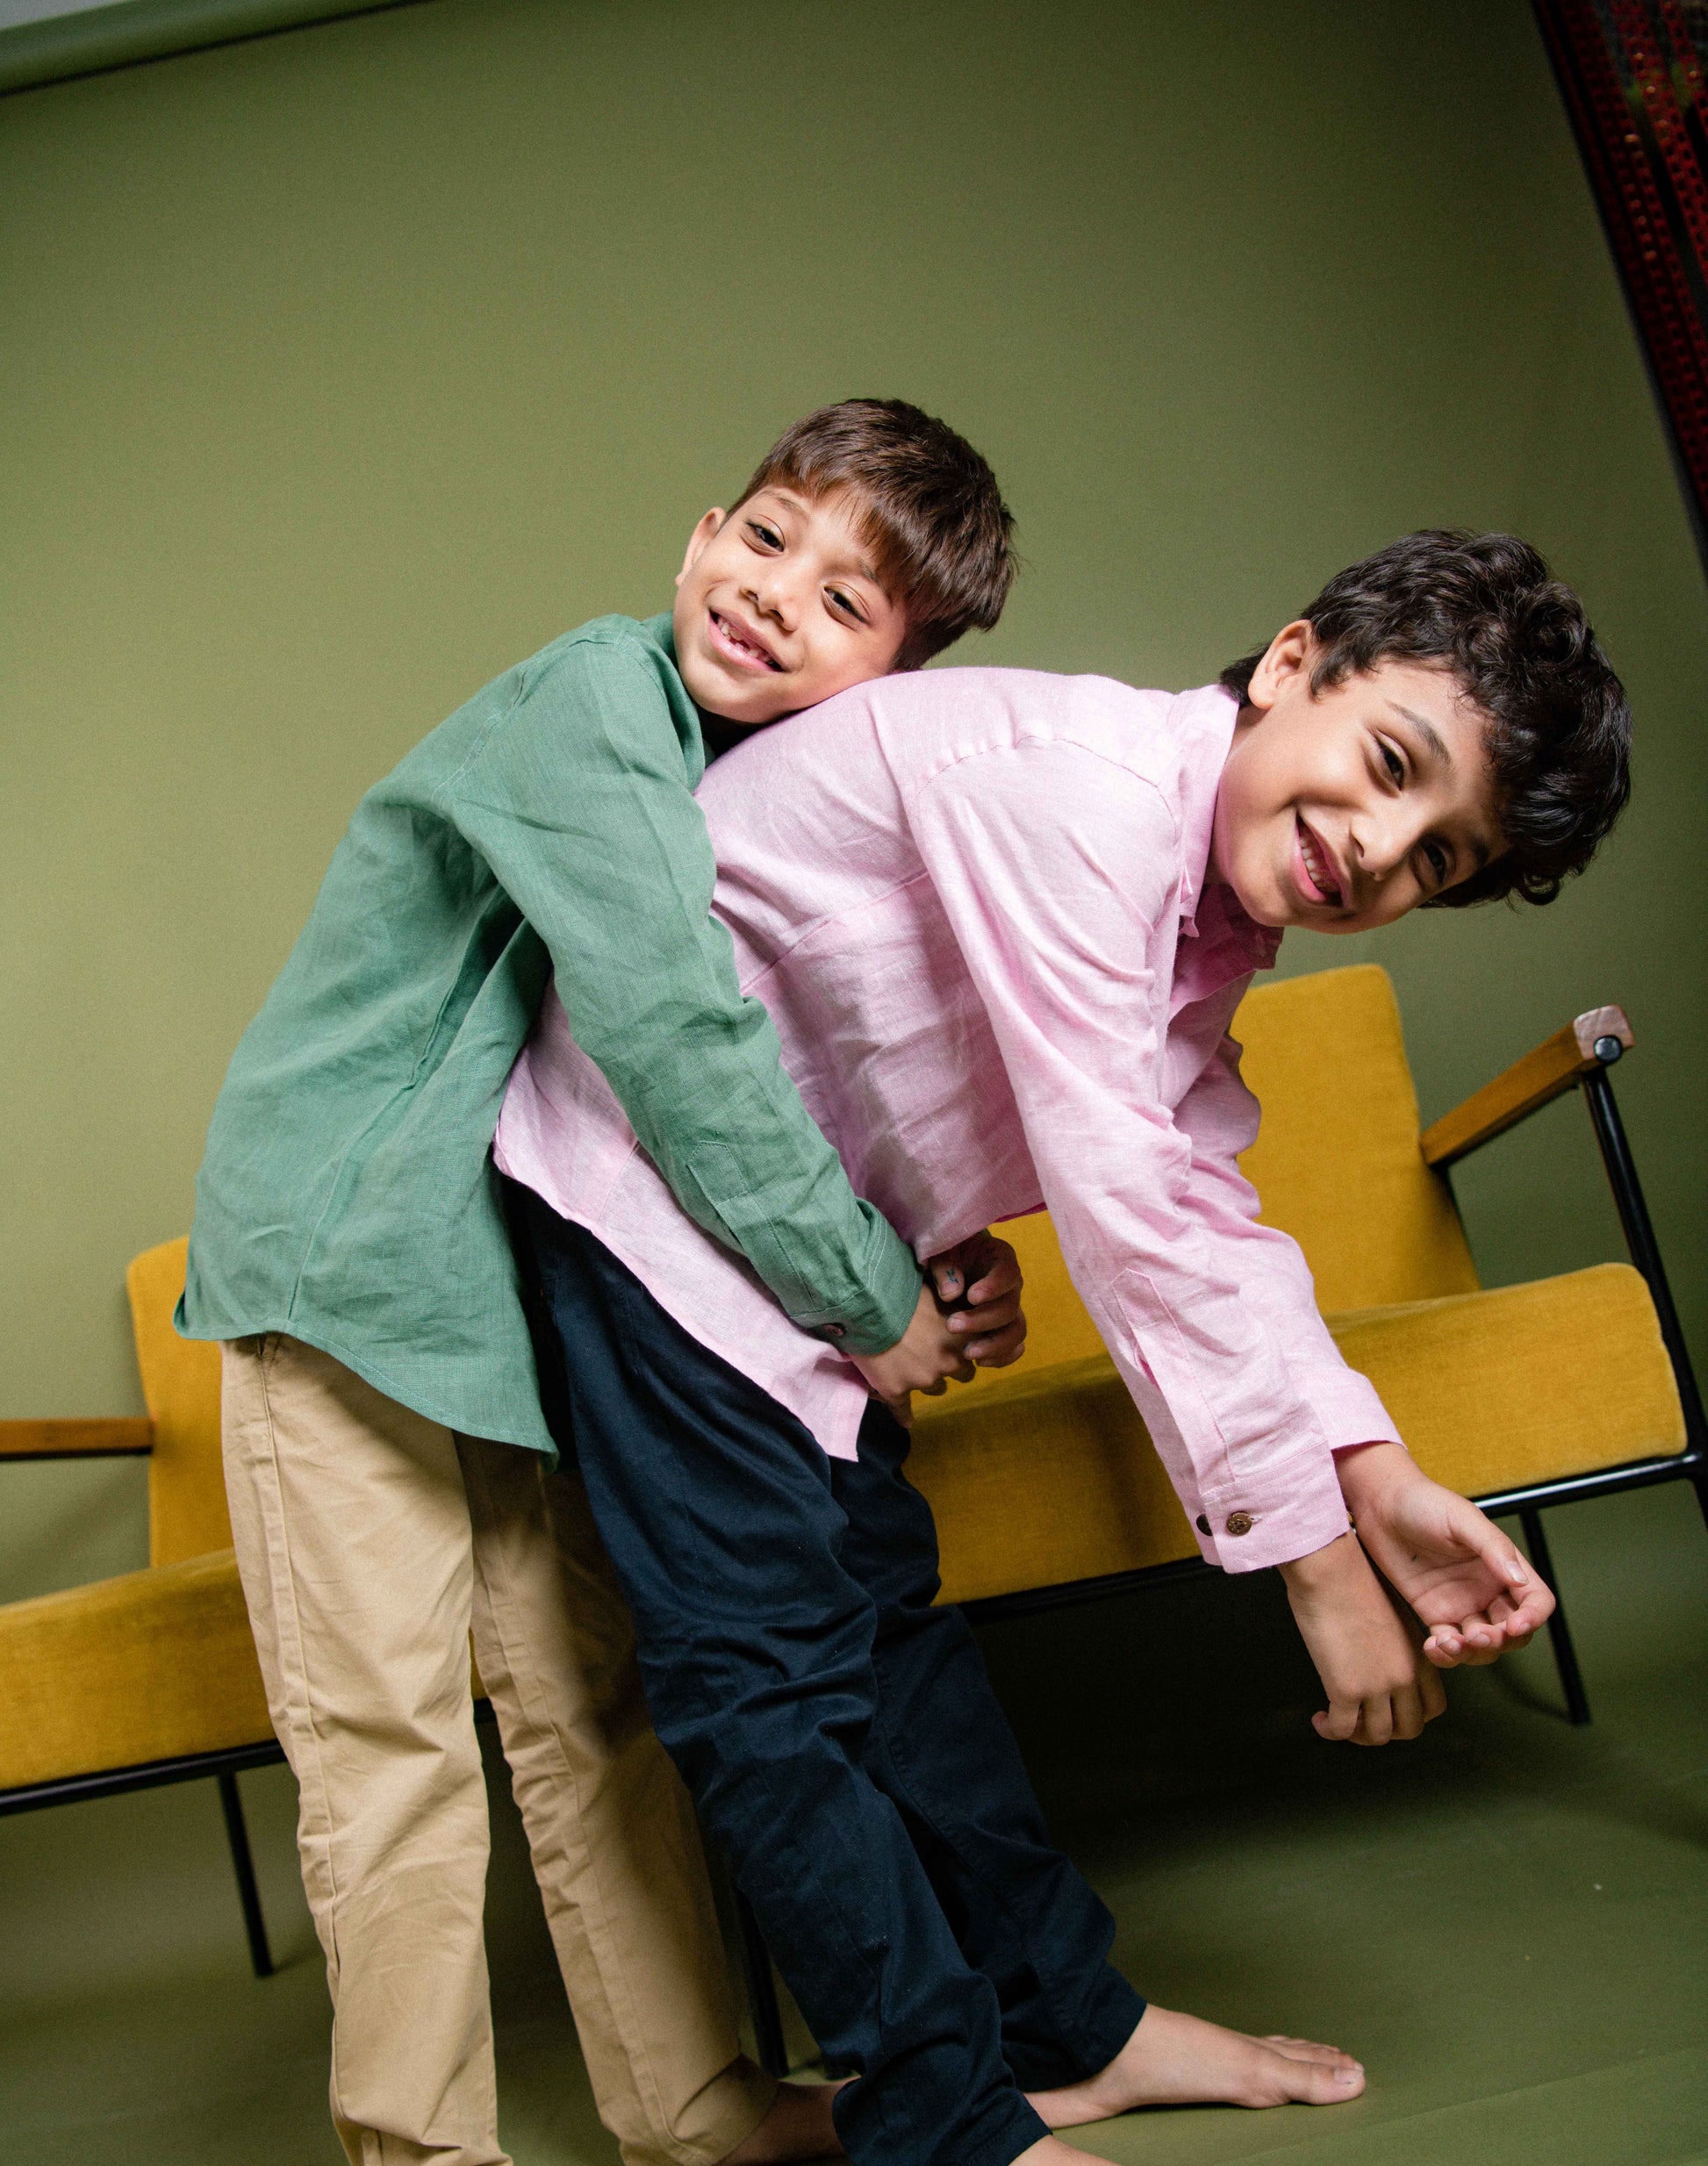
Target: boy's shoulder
621	673
611	682
614	644
624	668
605	653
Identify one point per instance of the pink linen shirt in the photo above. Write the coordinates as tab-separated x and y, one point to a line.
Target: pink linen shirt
973	902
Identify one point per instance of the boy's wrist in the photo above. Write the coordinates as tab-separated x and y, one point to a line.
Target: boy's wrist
1368	1472
1338	1561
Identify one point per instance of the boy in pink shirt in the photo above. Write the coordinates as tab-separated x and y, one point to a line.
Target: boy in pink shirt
1002	922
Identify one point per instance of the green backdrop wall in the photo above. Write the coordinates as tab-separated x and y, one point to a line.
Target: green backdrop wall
339	370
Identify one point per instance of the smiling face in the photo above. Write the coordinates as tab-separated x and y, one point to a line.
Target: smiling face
778	605
1344	809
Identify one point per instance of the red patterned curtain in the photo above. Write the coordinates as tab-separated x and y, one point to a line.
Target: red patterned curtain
1635	76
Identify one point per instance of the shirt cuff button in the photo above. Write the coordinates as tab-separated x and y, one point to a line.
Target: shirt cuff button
835	1330
1240	1522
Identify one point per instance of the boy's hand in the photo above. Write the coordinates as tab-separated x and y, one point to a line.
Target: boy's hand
978	1282
1467	1581
923	1358
1367	1660
943	1341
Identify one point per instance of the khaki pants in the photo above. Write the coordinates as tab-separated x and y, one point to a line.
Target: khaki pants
371	1542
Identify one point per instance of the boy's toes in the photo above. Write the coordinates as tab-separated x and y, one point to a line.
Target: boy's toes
1312	2049
1319	2077
1330	2082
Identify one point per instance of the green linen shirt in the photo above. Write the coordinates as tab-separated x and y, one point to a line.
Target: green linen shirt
347	1196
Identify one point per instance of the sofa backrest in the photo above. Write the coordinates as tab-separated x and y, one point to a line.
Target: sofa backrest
187	1514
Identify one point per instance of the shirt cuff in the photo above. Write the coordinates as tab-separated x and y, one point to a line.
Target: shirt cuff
1248	1532
872	1324
1251	1532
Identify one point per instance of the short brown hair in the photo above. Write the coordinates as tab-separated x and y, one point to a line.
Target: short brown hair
1485	607
930	512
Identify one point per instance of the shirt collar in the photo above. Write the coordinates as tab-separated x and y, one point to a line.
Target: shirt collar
716	735
1230	944
1202	723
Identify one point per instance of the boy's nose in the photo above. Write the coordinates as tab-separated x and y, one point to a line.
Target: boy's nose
772	596
1381	844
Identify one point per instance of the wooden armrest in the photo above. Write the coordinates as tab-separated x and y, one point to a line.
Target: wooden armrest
122	1437
1541	1076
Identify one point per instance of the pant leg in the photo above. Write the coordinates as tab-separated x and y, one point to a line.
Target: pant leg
615	1846
941	1746
352	1534
755	1652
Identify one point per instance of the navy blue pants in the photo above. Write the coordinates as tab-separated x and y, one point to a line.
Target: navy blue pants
837	1732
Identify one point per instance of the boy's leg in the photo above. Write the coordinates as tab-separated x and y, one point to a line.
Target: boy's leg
941	1749
941	1746
352	1536
715	1505
616	1847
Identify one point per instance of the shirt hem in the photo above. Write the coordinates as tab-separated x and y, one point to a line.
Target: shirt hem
370	1373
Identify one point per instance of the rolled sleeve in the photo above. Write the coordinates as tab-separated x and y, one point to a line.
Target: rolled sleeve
580	800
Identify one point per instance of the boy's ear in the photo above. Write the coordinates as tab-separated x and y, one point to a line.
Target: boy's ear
1288	656
697	540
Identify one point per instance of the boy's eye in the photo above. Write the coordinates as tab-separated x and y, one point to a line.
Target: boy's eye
846	603
1439	864
766	536
1395	765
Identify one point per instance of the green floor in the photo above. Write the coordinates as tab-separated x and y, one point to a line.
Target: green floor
1506	1921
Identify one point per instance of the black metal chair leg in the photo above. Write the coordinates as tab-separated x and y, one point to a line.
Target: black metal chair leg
237	1834
1559	1633
760	1991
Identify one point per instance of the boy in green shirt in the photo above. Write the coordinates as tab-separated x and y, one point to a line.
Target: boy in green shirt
350	1251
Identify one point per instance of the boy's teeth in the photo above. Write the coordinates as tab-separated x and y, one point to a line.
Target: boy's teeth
1318	872
746	645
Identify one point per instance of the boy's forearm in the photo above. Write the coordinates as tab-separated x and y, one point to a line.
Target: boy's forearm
832	1260
725	1125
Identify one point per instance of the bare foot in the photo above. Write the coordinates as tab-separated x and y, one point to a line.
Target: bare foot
798	2127
1176	2060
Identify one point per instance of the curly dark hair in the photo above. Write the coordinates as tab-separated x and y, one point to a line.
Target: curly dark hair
1485	606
